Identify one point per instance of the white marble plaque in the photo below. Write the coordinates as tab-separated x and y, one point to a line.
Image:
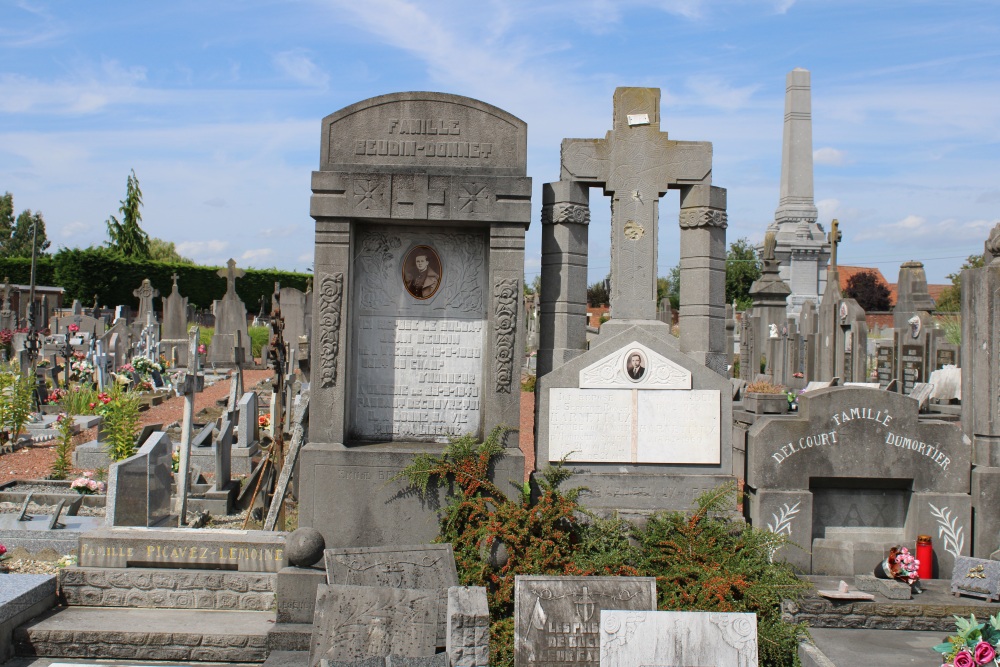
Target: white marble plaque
635	426
635	366
679	426
678	639
590	424
417	379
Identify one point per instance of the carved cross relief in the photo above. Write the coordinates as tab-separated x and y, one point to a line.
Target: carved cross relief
635	163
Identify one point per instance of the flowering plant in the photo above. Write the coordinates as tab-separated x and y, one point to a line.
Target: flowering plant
202	349
86	486
6	337
145	366
73	328
55	395
975	643
81	369
264	421
3	552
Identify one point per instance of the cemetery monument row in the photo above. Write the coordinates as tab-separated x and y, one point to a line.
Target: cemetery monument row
644	419
421	204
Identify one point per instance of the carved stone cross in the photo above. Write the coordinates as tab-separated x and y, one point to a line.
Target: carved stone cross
835	237
231	273
635	163
146	294
174	277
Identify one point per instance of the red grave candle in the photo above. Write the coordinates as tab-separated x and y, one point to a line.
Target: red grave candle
925	554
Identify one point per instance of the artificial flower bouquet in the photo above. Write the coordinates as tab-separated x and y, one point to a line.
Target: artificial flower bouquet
86	485
975	643
900	565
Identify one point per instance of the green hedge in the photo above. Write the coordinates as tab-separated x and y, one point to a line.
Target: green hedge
89	271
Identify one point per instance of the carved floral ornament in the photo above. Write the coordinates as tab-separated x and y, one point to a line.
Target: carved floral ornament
703	216
505	294
566	212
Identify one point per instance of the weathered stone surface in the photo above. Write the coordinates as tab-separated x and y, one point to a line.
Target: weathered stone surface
976	577
557	619
678	638
139	486
305	547
468	635
249	551
296	593
416	566
356	622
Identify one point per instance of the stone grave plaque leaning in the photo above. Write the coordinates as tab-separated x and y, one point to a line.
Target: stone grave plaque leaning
678	639
421	203
557	619
976	577
358	622
418	566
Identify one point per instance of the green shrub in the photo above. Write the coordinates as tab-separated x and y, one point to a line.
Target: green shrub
702	560
121	424
78	399
64	448
259	337
16	391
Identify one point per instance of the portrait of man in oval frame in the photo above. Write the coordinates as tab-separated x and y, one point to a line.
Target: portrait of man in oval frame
422	272
635	365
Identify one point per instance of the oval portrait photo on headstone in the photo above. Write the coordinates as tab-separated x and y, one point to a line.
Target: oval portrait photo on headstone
422	272
635	364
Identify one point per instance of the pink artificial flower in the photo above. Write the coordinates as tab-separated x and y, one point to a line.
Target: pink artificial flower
3	550
202	349
964	659
984	653
73	328
88	474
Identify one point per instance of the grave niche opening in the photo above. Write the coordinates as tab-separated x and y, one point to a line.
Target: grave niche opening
852	505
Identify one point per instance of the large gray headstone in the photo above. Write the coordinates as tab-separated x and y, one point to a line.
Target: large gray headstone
678	639
359	622
230	319
249	428
224	455
421	202
557	619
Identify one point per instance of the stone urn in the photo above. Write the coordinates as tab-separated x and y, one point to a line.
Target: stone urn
765	404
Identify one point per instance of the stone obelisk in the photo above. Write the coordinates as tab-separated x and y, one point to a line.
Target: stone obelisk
802	250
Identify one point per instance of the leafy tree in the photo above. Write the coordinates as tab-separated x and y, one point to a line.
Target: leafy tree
742	269
669	287
126	237
598	294
870	292
166	251
16	235
950	300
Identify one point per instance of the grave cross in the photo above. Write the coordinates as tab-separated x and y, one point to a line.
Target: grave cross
188	385
145	293
635	163
174	278
231	273
835	237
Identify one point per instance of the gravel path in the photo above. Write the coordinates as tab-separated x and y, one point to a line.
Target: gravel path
34	462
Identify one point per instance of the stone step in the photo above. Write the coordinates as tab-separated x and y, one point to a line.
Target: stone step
174	635
168	588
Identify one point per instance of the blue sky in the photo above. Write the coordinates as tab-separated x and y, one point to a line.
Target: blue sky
217	107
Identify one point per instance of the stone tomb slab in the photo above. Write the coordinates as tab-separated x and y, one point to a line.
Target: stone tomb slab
417	566
632	367
358	622
557	619
637	425
678	639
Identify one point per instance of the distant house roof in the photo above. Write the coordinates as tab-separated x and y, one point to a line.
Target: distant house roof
845	273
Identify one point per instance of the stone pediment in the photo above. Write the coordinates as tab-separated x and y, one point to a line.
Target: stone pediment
616	372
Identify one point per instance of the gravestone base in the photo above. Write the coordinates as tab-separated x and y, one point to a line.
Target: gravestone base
296	594
634	495
241	461
985	500
214	501
372	508
91	456
841	557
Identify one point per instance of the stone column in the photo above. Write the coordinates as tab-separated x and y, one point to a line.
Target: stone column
505	344
796	201
981	392
703	225
563	300
328	351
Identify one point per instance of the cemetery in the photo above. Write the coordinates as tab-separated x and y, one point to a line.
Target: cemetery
338	479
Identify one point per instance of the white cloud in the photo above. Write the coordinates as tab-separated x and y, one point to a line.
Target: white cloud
256	254
911	223
280	232
299	67
199	249
715	92
830	156
782	6
75	229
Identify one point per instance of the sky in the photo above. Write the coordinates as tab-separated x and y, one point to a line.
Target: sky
217	107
